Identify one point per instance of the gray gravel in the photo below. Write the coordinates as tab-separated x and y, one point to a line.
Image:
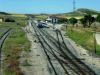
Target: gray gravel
36	58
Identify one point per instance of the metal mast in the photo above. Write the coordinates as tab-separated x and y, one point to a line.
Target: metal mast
74	5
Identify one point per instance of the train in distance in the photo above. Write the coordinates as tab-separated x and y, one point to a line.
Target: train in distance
42	25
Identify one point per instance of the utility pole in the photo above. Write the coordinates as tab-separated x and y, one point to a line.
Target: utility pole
94	37
74	8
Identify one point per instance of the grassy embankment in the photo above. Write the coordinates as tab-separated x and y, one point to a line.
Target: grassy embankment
14	44
83	36
41	17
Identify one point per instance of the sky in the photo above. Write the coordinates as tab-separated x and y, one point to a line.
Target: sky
46	6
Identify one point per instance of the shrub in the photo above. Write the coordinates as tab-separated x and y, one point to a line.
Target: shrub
98	18
73	21
63	20
9	20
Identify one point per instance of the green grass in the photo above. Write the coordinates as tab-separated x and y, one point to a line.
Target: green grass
82	36
2	30
98	49
6	25
19	18
41	17
18	15
13	45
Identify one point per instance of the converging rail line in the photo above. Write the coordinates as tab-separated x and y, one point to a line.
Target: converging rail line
67	54
66	59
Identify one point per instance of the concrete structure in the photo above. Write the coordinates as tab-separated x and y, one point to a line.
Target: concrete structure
1	19
52	19
48	19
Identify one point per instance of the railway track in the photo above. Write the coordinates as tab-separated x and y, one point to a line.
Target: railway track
49	49
2	39
48	57
82	67
61	53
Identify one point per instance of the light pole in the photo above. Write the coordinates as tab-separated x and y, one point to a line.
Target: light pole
94	33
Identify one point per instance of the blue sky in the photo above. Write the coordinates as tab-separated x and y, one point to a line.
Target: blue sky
46	6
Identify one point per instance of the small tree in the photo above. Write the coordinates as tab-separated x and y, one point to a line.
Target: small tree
63	20
83	21
9	20
73	21
89	19
98	18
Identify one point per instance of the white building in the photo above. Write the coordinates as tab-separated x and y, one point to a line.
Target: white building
1	19
51	19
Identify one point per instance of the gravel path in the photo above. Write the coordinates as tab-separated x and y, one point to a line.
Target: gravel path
36	58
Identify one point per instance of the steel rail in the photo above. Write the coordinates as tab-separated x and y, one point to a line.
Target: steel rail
48	57
2	39
79	62
62	64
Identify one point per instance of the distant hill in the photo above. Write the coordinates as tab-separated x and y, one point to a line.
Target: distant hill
86	11
4	13
82	11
